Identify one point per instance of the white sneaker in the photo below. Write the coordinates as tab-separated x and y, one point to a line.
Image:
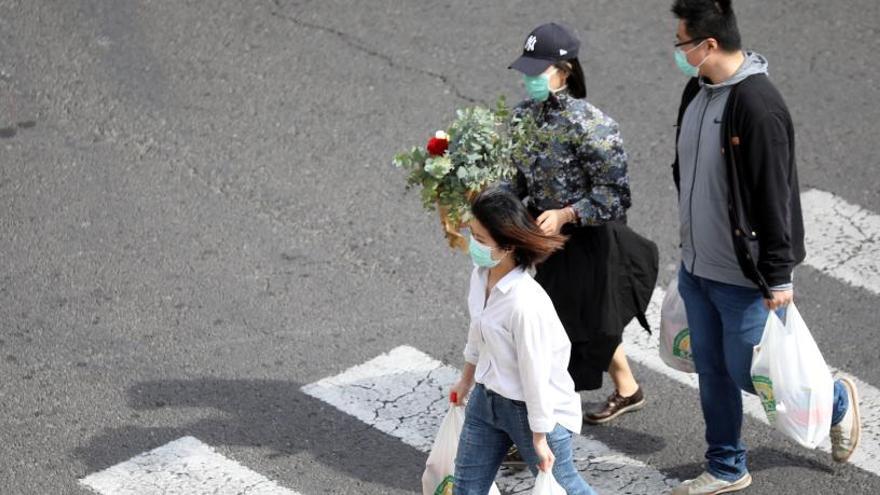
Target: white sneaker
706	484
845	435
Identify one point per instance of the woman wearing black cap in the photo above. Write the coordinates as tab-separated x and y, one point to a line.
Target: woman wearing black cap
574	180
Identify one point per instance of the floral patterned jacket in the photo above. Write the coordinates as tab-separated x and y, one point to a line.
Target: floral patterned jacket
581	162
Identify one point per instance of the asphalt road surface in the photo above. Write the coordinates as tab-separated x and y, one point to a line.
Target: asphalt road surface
200	221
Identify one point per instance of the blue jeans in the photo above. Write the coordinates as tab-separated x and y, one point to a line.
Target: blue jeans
492	424
726	322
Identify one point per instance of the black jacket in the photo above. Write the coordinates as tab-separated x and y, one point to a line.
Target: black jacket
764	202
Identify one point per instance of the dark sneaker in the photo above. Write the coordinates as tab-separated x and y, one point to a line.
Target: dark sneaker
845	435
615	406
514	460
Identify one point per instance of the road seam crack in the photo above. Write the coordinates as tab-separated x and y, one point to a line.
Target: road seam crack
361	46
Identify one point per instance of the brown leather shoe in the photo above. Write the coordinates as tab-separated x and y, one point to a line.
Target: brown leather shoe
615	406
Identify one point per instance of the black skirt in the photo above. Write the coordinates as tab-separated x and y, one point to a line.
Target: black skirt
599	282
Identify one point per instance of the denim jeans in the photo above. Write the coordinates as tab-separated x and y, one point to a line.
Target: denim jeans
492	424
726	322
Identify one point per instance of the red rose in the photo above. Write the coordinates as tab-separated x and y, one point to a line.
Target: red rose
438	144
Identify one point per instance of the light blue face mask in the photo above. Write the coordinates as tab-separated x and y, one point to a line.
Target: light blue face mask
682	62
538	87
481	254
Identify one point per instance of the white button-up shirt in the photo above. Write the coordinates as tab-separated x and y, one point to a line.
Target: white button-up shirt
521	350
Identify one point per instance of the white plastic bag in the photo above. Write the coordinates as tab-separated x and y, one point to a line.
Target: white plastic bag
675	334
545	484
438	477
792	379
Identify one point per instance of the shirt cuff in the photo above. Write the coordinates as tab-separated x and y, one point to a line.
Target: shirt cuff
541	425
472	357
582	210
782	287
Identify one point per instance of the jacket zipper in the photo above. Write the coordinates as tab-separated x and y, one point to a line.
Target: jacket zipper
694	180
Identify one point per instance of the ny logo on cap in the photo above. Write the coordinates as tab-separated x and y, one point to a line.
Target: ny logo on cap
530	43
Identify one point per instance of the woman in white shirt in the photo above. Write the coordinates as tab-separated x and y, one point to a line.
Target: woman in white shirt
517	353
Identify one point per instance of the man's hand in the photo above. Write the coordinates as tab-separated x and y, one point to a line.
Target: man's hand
781	299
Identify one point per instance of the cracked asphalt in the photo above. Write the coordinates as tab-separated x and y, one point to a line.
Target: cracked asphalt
199	217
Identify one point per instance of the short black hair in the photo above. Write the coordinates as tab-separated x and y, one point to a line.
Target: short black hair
576	83
710	19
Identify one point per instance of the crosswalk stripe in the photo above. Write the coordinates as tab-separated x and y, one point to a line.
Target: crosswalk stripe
843	240
403	393
642	348
185	466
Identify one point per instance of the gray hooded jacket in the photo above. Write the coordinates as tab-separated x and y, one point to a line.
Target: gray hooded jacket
707	248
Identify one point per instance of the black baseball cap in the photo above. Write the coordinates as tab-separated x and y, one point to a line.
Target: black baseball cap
545	45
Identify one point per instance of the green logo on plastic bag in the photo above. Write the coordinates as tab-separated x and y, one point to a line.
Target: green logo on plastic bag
764	388
681	346
445	486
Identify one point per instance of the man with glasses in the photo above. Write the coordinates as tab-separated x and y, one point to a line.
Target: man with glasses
741	230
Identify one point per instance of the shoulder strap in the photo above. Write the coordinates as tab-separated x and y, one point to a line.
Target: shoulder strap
690	92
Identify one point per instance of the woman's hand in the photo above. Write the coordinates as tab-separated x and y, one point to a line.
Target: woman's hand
459	392
552	221
542	449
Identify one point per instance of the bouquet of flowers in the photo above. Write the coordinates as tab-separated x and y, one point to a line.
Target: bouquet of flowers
477	149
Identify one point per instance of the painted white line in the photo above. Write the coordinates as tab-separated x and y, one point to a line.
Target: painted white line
403	393
843	240
185	466
642	348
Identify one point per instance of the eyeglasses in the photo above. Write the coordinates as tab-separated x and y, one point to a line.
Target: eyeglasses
688	42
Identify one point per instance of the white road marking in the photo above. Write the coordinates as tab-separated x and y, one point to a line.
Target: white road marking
185	466
403	393
642	348
843	240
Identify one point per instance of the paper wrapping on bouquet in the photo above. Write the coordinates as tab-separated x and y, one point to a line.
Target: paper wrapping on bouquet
792	379
452	230
438	478
675	334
